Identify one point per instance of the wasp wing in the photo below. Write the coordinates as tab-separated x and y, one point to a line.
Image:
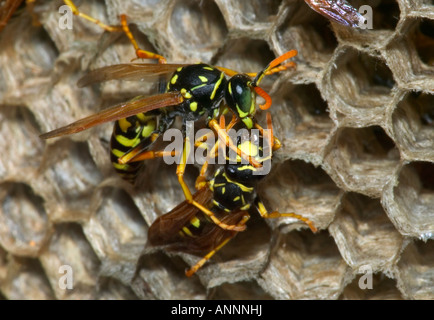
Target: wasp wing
128	71
337	10
211	236
137	105
165	229
7	9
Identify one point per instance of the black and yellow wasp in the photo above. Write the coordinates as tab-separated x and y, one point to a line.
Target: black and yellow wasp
192	92
231	196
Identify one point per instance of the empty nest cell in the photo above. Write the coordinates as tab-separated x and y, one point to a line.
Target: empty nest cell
25	277
24	225
423	40
69	251
364	234
413	121
116	229
380	287
360	87
297	186
66	180
19	159
254	16
409	199
416	270
196	30
303	28
301	121
362	159
304	265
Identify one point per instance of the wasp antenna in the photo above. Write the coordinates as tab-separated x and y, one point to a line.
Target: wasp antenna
273	64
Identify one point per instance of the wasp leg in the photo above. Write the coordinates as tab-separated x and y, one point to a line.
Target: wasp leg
30	7
273	140
151	154
189	197
78	13
266	215
208	256
201	179
141	54
222	134
212	153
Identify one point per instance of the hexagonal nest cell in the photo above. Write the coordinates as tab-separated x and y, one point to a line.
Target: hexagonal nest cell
355	119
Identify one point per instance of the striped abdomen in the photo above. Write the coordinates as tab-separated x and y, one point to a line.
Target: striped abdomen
128	133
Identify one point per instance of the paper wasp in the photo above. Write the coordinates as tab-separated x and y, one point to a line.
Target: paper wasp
193	91
231	195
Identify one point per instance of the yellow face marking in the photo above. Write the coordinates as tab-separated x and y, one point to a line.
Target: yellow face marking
248	122
203	79
193	106
217	84
208	68
236	198
179	69
187	231
124	124
241	113
195	222
174	78
253	104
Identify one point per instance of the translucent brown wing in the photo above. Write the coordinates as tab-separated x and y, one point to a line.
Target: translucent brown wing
165	229
130	71
211	237
123	110
7	9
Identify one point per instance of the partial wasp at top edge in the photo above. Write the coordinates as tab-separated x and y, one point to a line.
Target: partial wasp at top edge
339	11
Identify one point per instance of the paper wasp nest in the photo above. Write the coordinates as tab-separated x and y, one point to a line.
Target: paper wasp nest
355	119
